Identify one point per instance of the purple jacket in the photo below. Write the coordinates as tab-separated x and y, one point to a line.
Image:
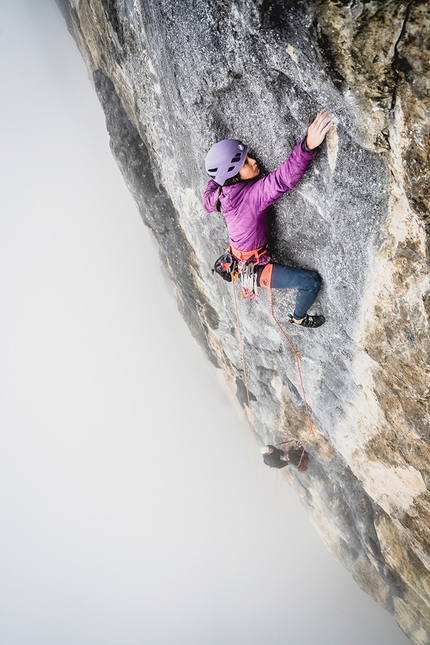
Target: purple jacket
245	204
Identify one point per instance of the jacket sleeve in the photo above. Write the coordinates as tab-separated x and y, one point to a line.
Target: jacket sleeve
210	196
268	189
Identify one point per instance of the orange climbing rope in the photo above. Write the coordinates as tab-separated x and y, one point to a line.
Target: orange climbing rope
297	358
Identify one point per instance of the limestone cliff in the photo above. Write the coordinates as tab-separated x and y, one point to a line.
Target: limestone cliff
173	78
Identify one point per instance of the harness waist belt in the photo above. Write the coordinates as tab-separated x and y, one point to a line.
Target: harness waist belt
259	255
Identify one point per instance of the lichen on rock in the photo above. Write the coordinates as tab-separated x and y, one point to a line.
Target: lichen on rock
175	77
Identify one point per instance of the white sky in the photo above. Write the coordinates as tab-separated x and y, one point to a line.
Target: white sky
134	506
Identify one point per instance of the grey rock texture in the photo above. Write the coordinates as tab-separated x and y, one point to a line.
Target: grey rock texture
173	78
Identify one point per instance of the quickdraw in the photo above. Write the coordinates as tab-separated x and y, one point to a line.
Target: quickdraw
248	280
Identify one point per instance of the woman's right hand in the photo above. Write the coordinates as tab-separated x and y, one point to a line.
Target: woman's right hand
318	129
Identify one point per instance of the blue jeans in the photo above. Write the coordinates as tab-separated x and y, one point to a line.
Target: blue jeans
307	282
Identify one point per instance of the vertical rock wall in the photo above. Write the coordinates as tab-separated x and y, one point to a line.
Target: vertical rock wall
173	78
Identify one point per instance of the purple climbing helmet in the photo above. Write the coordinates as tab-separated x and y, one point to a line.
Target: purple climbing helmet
225	159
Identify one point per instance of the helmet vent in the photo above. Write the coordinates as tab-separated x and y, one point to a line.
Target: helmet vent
231	168
236	157
212	170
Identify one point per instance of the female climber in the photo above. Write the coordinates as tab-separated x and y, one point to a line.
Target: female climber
243	197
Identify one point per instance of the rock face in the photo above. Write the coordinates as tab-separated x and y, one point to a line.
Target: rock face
173	78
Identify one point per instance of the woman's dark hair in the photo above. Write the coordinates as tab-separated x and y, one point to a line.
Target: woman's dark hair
228	182
232	180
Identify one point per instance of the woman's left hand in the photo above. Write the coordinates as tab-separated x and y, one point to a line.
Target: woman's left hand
318	129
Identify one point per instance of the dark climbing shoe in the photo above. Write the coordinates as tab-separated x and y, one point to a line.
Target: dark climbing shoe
308	321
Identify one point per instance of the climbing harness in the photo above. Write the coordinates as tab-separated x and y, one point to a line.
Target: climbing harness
234	264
